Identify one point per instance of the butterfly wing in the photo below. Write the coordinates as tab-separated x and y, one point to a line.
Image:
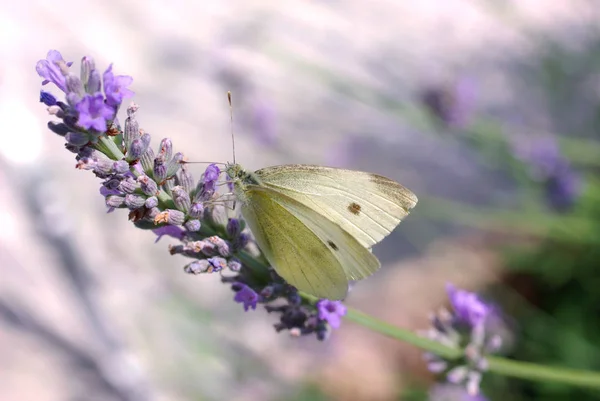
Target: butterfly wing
368	206
310	252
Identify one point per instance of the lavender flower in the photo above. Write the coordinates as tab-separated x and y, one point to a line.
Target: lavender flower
115	87
453	105
331	312
563	188
93	112
561	184
245	296
50	69
211	175
47	98
469	309
160	194
475	327
171	231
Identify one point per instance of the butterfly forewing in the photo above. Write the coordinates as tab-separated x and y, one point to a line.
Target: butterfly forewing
368	206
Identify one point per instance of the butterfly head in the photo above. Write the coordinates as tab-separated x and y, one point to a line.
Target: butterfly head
235	171
240	176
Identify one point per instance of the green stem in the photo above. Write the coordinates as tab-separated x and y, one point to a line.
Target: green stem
535	372
498	365
560	227
403	335
107	146
395	332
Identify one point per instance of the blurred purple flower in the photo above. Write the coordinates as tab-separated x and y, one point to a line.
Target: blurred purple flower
246	296
476	328
115	87
171	231
563	189
467	306
453	105
548	166
331	312
50	69
93	112
542	154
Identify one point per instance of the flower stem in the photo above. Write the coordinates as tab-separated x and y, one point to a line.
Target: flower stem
535	372
109	148
403	335
396	332
498	365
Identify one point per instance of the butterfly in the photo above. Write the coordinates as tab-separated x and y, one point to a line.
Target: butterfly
316	225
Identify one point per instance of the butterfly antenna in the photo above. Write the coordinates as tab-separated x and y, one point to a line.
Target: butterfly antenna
231	123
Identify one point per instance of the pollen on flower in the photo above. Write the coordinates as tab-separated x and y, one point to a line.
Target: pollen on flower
162	218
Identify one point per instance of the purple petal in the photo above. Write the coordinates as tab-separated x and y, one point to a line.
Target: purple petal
115	87
246	296
50	70
171	231
93	112
331	312
468	307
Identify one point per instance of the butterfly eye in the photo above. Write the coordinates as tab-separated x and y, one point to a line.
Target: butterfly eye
354	208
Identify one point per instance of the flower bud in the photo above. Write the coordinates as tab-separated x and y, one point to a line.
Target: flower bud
151	202
193	225
133	201
181	198
147	185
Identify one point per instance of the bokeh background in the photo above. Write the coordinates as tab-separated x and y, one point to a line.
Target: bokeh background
488	110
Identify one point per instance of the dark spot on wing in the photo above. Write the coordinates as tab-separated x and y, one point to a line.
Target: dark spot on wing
354	208
332	245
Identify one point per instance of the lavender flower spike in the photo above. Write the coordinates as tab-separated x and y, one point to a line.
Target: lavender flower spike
473	327
156	189
562	185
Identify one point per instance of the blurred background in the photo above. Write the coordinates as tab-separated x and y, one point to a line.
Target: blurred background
488	110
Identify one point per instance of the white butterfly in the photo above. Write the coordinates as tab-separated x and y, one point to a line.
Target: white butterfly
316	225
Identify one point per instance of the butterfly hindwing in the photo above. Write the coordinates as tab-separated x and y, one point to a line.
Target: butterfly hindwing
309	251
